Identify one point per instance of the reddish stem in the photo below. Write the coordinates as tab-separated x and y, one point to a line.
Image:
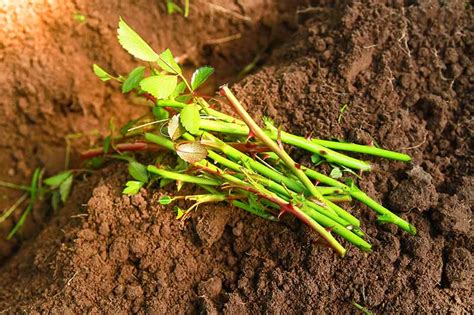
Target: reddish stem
121	147
250	147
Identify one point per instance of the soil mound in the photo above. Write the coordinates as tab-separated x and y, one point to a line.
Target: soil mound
404	70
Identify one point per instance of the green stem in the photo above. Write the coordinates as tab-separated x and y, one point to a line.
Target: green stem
13	207
274	179
217	114
385	214
182	177
262	136
340	215
159	140
170	103
335	212
186	8
14	186
297	141
366	149
286	206
338	198
33	195
21	221
339	229
168	144
235	154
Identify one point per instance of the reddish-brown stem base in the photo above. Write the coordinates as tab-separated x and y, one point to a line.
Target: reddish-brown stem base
120	148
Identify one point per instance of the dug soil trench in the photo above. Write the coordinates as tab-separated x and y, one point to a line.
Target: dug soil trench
403	68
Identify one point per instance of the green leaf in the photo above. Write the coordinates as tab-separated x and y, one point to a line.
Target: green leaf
165	181
132	187
179	212
190	118
160	113
106	147
191	152
165	200
175	129
138	171
180	88
134	44
21	221
101	73
96	162
336	173
160	86
65	188
171	7
348	170
57	179
200	76
316	159
167	63
179	185
184	98
133	79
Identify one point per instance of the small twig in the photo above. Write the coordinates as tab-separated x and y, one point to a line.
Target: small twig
404	36
418	145
309	10
224	40
229	12
147	124
72	278
370	46
13	207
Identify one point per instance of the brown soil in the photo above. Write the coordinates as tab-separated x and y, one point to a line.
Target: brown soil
404	68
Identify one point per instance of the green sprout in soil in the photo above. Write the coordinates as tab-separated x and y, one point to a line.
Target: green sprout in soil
56	188
172	7
231	159
363	310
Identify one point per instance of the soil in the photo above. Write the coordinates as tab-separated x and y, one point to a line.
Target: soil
405	71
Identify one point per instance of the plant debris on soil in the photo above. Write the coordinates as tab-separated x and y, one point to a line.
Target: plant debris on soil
401	71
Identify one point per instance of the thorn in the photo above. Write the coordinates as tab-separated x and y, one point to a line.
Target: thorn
265	156
221	90
370	143
329	229
280	144
298	166
309	137
250	135
282	212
